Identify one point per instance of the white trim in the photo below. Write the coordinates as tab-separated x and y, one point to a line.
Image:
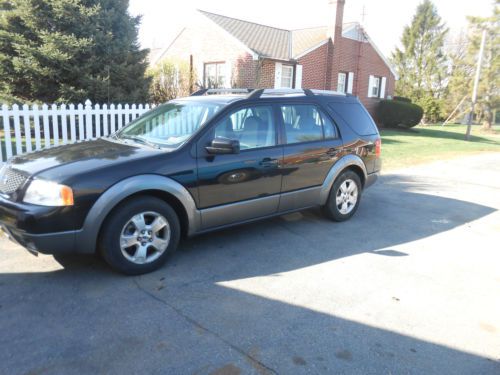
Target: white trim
350	82
370	85
311	49
298	76
277	75
382	88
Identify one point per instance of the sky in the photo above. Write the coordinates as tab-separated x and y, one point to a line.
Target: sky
384	20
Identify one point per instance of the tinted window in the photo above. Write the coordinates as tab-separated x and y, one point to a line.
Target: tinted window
252	126
304	123
356	117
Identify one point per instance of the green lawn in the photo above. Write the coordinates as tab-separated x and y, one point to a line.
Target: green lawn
427	143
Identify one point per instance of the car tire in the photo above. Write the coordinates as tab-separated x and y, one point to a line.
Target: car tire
344	197
139	235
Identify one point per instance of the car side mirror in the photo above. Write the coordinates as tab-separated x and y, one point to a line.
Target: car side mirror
222	145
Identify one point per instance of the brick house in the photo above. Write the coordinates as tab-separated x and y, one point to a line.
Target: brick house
228	52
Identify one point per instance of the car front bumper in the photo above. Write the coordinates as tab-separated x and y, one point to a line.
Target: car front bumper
26	225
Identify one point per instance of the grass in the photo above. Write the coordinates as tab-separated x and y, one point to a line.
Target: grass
422	144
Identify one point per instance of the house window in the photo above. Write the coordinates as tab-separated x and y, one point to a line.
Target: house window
215	75
375	87
287	76
342	82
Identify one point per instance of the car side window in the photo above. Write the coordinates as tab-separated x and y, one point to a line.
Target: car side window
253	127
305	123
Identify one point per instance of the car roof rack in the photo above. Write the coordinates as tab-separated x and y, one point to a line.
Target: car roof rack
255	94
221	91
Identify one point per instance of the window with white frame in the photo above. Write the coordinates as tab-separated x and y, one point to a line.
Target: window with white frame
375	87
342	82
287	76
215	75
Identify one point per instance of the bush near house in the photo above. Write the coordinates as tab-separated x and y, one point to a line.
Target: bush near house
394	113
170	79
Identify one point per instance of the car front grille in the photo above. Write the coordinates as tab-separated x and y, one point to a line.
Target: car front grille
10	180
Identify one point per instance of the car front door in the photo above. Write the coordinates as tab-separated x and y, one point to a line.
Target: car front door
240	186
312	146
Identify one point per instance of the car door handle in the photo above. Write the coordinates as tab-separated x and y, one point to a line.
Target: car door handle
268	162
333	152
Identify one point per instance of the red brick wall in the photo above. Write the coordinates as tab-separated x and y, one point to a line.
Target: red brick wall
322	66
314	68
207	42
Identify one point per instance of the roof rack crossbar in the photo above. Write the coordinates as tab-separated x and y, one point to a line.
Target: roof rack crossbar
255	94
221	91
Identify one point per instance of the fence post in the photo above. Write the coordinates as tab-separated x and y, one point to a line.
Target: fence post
105	119
6	130
36	120
64	124
72	122
46	129
88	120
16	113
27	127
55	124
81	129
97	114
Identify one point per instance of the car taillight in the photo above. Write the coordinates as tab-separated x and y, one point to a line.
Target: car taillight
378	147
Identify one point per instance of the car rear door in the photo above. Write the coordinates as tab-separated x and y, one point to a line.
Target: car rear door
312	146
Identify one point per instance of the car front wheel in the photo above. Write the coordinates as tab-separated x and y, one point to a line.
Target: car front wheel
139	235
344	197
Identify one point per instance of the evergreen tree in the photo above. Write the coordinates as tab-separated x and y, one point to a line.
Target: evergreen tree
70	51
421	63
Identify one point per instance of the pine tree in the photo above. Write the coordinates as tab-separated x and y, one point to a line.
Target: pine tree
421	63
70	51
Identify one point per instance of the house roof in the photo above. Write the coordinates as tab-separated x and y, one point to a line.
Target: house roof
280	44
272	42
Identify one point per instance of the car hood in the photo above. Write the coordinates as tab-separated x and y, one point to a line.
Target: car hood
79	157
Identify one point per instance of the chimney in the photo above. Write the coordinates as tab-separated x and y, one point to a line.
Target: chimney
336	11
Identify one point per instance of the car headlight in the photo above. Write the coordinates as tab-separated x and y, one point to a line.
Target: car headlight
47	193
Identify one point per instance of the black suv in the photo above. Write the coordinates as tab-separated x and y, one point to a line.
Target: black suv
212	160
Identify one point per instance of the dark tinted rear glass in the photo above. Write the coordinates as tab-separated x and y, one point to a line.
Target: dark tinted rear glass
356	117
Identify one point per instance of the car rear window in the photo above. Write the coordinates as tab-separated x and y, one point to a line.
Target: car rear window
356	117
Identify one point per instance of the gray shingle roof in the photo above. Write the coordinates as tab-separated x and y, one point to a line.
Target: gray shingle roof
272	42
264	40
281	44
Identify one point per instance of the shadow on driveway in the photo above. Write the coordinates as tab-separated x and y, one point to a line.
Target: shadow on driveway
180	320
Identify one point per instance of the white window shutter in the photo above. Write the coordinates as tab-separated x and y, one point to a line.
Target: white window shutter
350	81
370	85
298	76
277	75
229	75
382	88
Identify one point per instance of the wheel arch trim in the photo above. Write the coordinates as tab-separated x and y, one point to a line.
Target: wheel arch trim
341	165
86	238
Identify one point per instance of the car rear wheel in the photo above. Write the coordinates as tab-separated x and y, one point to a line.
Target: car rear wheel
344	197
139	235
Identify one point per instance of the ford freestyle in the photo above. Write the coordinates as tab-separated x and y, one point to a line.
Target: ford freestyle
214	159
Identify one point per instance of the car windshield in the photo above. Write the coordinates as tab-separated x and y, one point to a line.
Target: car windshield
169	125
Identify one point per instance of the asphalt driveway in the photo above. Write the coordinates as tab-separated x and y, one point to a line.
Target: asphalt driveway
411	285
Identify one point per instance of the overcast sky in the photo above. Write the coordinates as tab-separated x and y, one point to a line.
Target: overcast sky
384	19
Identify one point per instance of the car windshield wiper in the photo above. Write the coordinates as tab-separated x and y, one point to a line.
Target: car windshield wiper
141	140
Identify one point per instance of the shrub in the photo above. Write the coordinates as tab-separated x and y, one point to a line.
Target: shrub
392	113
402	99
169	79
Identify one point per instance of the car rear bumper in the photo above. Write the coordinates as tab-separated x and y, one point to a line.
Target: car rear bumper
371	179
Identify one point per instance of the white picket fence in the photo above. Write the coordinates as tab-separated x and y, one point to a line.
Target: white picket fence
29	128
